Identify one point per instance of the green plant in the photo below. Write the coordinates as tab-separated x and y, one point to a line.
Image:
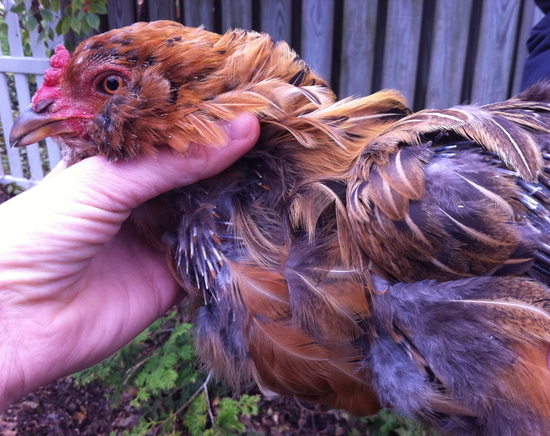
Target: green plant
80	16
226	421
388	423
159	366
4	46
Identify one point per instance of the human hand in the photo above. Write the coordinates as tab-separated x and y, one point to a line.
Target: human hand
77	282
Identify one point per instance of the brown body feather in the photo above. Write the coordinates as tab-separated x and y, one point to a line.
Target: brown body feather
358	256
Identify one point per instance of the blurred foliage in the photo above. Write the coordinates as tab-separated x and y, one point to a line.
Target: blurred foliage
79	16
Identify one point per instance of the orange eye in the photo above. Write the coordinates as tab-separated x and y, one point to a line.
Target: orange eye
111	84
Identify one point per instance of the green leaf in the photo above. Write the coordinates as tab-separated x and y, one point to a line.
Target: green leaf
76	25
31	23
99	8
93	21
171	315
47	15
195	421
86	29
142	395
186	352
63	26
56	5
18	9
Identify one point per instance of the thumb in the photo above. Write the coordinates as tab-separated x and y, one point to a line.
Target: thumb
95	190
126	184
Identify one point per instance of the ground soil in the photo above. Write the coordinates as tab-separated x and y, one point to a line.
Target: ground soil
62	409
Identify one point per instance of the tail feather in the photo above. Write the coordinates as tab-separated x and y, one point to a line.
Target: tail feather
484	346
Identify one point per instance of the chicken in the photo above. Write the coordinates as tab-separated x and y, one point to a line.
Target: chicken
360	255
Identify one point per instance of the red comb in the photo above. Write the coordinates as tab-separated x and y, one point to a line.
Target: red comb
58	62
52	77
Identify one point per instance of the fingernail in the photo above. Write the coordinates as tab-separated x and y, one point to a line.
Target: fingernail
240	128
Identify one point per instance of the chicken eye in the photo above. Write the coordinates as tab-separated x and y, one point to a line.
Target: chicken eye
111	84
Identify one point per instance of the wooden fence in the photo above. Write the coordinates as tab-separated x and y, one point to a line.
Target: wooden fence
28	166
439	53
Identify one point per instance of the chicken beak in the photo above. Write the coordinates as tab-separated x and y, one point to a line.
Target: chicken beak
32	127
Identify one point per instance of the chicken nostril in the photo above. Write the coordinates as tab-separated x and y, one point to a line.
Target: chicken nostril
43	105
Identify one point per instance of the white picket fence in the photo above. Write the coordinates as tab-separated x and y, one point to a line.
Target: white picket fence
29	163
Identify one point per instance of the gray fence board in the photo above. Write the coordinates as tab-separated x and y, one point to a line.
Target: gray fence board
494	63
162	10
121	13
401	49
236	14
317	34
446	72
276	19
358	47
199	13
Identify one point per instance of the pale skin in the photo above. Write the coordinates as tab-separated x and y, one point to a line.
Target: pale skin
77	282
